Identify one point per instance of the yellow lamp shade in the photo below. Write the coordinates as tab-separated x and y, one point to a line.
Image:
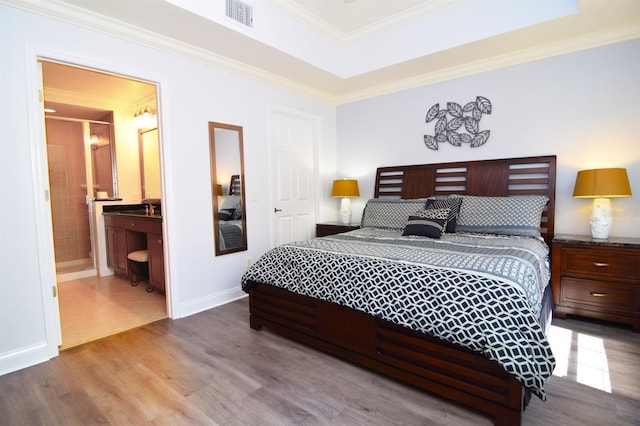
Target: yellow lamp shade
602	183
345	188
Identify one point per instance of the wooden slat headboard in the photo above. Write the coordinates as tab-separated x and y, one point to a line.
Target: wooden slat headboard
496	178
234	185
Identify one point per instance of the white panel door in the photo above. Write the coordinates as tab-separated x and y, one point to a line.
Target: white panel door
292	146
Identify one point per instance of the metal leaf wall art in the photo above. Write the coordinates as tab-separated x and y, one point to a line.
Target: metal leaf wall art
450	124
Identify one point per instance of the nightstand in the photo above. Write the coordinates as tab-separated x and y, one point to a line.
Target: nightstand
597	278
332	228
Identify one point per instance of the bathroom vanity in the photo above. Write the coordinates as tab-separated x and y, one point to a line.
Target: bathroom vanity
132	230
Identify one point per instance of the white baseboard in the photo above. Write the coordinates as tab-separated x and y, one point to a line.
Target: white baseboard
76	275
208	302
23	358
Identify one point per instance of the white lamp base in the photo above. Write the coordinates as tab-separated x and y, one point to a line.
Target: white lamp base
345	211
600	218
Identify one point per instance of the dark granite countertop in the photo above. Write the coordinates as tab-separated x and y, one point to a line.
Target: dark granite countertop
586	240
136	210
108	199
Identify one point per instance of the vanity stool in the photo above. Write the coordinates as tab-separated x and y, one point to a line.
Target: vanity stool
139	266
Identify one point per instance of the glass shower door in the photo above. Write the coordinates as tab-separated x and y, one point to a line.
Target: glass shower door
73	146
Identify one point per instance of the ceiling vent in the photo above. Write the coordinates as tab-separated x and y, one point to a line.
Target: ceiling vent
240	12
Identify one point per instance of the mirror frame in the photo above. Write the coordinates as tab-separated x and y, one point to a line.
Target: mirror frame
112	150
214	182
141	156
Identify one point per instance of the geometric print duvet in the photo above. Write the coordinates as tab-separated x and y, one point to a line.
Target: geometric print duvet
481	292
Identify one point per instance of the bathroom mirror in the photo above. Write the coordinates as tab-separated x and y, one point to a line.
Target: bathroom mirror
103	167
227	188
149	163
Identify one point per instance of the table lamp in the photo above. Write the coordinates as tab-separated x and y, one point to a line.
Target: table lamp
601	184
345	188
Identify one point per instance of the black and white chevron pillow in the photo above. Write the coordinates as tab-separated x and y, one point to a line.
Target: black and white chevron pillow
447	203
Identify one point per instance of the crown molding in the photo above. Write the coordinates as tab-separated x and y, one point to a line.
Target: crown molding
74	98
574	44
310	20
307	19
86	100
103	24
413	14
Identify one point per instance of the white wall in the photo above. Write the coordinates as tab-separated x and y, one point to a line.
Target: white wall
191	95
583	107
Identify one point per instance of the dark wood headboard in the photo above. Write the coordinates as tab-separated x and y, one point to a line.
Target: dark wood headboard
234	185
496	178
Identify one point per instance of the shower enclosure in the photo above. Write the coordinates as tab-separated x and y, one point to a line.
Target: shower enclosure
80	156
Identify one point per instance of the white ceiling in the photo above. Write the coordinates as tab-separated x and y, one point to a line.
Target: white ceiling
344	50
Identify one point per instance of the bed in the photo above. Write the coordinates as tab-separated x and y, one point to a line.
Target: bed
230	223
488	359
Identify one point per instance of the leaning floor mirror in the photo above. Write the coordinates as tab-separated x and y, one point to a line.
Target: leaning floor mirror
227	188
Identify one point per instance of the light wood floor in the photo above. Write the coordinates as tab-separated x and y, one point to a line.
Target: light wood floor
96	307
212	369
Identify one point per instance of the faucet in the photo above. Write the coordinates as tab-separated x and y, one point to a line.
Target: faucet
151	209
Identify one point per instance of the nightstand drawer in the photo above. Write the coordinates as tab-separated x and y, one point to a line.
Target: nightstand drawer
601	263
599	294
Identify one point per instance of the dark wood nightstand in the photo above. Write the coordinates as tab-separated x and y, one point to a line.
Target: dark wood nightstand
597	278
332	228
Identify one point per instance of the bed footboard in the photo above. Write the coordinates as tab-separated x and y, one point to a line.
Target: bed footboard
428	363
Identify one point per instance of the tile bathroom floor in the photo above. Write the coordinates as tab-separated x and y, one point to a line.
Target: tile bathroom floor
96	307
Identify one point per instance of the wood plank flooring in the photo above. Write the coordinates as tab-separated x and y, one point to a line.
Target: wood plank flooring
212	369
94	307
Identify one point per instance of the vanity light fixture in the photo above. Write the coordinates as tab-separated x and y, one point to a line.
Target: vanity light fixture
601	184
345	188
144	118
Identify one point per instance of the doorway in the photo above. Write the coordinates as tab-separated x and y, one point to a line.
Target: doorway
87	114
293	139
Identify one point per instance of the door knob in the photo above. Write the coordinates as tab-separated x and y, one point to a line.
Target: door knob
276	210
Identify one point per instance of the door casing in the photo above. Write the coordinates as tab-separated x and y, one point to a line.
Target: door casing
44	230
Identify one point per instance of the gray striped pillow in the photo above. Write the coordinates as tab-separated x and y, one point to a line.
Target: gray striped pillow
427	223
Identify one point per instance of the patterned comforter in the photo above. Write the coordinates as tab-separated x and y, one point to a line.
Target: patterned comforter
481	292
230	233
